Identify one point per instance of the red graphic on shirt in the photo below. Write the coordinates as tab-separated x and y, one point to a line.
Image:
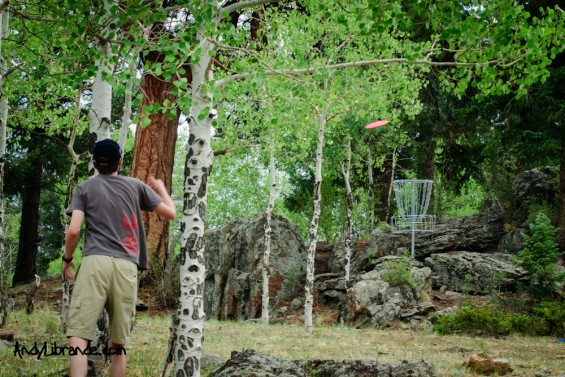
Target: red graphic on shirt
130	241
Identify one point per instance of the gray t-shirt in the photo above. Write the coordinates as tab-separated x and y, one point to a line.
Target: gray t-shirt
112	205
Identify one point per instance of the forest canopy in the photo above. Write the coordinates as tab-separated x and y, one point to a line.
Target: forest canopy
221	99
472	100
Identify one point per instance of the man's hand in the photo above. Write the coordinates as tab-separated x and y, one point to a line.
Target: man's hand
66	269
157	185
166	208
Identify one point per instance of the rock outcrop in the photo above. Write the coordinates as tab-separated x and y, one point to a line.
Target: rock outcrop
380	296
250	363
469	272
233	266
477	233
532	188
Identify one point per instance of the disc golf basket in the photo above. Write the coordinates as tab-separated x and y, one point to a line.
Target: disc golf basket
412	199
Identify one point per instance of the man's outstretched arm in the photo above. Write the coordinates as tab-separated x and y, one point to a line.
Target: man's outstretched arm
166	208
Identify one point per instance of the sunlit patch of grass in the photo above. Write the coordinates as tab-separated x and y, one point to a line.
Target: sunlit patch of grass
148	348
147	351
40	329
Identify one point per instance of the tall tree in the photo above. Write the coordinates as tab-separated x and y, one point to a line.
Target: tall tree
65	220
309	288
156	134
346	169
100	112
29	230
4	19
154	156
265	265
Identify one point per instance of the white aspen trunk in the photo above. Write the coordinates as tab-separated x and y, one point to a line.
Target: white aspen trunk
99	118
100	113
269	214
389	197
66	295
4	276
309	288
126	117
188	335
345	172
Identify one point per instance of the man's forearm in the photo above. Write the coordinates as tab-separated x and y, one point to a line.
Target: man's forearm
71	242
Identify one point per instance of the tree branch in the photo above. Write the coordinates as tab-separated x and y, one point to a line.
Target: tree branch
4	5
362	63
246	4
223	151
26	15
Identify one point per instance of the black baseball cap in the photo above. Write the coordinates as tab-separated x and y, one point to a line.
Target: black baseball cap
106	152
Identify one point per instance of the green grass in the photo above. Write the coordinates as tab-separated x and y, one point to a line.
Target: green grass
527	355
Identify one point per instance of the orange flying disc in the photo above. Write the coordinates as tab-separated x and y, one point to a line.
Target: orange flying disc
378	123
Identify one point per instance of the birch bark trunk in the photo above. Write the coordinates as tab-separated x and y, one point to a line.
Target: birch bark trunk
392	173
100	113
66	296
309	288
371	191
269	214
4	20
99	118
126	117
349	195
188	335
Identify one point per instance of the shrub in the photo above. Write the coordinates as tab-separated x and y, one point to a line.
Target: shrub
552	315
539	258
398	272
548	318
474	319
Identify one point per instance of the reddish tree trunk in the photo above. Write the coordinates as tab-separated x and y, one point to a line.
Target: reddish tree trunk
154	156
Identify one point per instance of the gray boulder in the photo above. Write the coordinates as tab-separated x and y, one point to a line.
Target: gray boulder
479	233
234	254
379	296
380	245
250	363
513	241
332	292
540	185
469	272
366	253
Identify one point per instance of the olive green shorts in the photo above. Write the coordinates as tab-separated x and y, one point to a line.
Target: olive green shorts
103	282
